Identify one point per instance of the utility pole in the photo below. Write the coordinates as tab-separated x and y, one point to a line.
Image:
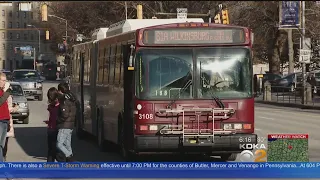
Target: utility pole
34	58
291	52
126	8
302	46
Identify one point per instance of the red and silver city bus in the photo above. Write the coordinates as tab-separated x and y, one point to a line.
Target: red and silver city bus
177	87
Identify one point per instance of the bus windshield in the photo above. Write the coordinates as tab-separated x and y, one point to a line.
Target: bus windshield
170	73
224	72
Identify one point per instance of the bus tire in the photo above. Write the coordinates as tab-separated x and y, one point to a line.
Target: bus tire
79	131
125	153
229	157
100	128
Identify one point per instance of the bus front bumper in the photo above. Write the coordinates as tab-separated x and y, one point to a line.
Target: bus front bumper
222	143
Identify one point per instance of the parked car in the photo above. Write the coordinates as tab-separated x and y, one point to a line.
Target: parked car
8	74
270	77
30	81
18	98
260	79
287	83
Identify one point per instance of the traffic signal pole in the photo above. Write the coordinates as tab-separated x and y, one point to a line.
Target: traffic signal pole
303	28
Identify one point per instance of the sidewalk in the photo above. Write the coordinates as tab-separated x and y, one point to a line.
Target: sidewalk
287	101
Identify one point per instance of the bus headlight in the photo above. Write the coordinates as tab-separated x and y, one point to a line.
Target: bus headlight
227	126
232	126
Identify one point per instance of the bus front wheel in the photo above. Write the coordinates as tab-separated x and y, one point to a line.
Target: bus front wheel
229	157
125	153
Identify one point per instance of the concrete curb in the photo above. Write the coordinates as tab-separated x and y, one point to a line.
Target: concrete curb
292	105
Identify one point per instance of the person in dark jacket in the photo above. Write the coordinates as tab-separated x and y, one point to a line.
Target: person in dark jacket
313	82
65	121
4	112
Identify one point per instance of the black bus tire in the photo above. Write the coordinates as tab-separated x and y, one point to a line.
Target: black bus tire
104	145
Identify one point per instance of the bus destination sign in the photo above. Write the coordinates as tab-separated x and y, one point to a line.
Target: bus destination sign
193	36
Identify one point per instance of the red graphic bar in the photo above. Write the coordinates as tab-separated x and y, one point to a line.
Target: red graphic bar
288	136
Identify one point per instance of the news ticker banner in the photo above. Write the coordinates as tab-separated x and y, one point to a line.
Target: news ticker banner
161	170
277	148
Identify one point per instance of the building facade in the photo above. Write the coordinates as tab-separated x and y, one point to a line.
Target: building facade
15	18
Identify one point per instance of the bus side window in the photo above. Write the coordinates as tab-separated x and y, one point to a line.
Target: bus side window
78	68
117	65
85	70
121	67
100	67
106	66
112	64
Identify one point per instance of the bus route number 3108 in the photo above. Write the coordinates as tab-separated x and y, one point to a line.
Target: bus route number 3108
145	116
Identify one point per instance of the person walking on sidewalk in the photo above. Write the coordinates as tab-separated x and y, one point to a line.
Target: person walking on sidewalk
10	133
66	120
4	112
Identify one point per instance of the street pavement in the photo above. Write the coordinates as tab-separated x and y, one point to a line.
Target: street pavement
30	142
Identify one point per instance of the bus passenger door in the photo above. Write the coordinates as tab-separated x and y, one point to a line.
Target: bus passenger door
128	85
81	88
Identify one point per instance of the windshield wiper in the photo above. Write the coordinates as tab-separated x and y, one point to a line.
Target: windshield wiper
176	96
213	96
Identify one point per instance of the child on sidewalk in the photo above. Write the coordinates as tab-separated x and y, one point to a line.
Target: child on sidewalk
52	131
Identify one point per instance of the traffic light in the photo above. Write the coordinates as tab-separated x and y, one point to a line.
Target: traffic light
217	19
139	12
47	35
225	16
44	12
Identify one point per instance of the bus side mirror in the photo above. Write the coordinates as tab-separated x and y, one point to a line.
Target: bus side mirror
131	62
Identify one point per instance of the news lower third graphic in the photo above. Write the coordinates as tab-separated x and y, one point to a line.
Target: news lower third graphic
280	148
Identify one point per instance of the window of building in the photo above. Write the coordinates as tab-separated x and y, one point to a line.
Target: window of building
31	37
24	25
3	13
3	35
4	46
4	64
31	15
17	14
18	36
24	14
3	24
10	47
10	13
25	36
10	35
18	25
10	24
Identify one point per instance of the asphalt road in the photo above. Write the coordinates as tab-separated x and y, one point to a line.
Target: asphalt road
30	142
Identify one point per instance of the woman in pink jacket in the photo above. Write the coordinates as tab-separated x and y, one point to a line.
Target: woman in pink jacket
10	132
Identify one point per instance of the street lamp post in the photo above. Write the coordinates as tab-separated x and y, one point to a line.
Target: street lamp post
66	47
34	49
30	25
66	25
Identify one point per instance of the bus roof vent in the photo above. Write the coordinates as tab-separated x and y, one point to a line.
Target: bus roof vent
134	24
98	34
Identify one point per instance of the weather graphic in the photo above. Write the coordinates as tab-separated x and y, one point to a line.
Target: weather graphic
288	148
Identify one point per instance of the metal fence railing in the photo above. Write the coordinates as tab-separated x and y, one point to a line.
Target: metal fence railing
290	95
